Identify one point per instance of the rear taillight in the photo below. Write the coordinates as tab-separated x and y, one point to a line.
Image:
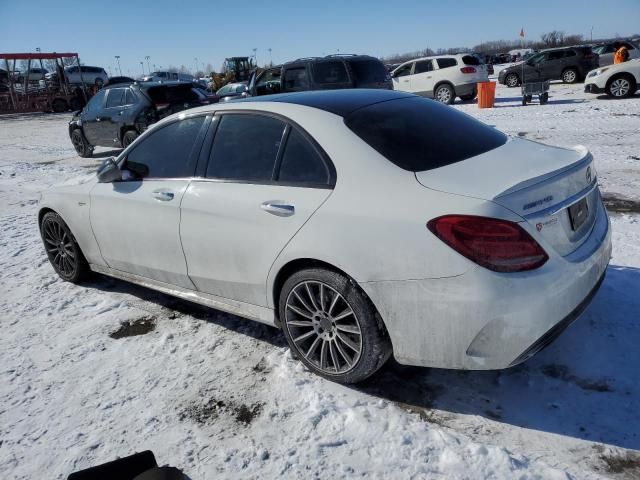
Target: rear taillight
468	70
498	245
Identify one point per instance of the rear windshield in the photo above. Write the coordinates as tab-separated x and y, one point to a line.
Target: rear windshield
471	60
368	71
172	94
417	134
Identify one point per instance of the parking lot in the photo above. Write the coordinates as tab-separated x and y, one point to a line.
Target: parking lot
100	370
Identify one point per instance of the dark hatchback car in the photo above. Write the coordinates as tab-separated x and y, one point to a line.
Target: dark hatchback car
321	73
117	114
569	64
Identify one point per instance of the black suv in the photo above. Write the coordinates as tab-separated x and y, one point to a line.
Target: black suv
321	73
568	64
118	113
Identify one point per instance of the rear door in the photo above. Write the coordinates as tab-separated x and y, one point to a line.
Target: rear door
295	79
553	65
422	78
263	181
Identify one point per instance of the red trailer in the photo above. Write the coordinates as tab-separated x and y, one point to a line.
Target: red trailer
45	96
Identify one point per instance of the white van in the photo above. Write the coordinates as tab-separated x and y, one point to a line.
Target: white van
443	77
168	76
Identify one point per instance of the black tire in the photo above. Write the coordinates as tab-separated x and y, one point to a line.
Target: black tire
570	75
445	94
340	295
512	80
59	105
128	138
544	98
81	144
524	100
62	249
621	86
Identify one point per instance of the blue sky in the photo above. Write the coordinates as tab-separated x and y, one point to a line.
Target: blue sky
176	32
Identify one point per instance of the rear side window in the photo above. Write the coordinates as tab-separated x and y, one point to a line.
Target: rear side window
417	134
423	66
555	55
245	147
571	53
172	94
296	79
166	153
301	163
368	71
446	62
471	60
130	97
330	72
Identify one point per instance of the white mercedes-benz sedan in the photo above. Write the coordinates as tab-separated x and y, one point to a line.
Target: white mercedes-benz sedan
363	223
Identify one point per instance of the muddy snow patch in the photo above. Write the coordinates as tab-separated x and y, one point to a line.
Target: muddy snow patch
213	409
132	328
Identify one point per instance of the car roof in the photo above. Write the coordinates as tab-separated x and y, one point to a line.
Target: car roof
338	56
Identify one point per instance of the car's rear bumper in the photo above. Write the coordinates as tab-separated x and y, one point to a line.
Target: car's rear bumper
464	89
484	320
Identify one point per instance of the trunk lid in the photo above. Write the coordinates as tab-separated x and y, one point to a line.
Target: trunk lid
538	182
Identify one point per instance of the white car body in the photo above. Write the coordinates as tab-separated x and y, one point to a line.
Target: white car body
607	51
168	77
422	76
600	79
214	244
84	74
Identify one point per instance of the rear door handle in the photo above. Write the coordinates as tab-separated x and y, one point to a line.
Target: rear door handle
280	209
162	195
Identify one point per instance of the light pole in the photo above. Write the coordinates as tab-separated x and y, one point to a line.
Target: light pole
142	67
270	58
255	56
195	72
592	33
147	57
118	60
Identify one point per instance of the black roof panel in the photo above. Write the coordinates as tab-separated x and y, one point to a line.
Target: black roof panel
340	102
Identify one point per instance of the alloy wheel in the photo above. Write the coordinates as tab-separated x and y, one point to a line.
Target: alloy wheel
324	327
60	248
620	87
443	95
569	76
78	142
512	80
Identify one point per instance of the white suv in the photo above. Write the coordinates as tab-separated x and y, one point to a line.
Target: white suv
90	75
443	77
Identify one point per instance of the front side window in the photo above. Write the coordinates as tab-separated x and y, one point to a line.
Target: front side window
446	62
267	77
245	148
130	98
330	72
96	101
417	134
115	97
536	59
296	79
301	163
167	152
403	70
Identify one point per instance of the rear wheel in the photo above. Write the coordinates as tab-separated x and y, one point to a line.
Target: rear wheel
570	75
128	138
512	80
62	249
80	143
445	94
621	86
544	98
331	326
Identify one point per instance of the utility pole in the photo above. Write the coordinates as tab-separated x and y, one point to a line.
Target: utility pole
195	72
142	67
147	57
255	56
592	33
270	58
118	60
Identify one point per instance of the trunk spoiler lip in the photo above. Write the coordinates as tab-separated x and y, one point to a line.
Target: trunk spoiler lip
585	159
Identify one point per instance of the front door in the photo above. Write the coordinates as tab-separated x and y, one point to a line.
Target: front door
402	77
263	181
136	221
89	117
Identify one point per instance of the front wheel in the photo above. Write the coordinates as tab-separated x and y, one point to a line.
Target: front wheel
512	80
570	75
129	137
80	143
62	249
331	326
621	87
445	94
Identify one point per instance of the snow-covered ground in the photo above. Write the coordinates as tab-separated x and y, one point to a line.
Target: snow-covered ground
221	397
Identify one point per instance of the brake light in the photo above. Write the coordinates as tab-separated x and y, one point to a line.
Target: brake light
499	245
468	70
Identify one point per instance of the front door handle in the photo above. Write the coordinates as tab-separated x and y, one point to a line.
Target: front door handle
162	195
280	209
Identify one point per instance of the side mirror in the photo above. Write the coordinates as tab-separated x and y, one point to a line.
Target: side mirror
109	171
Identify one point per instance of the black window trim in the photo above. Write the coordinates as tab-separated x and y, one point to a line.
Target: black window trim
195	152
289	124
